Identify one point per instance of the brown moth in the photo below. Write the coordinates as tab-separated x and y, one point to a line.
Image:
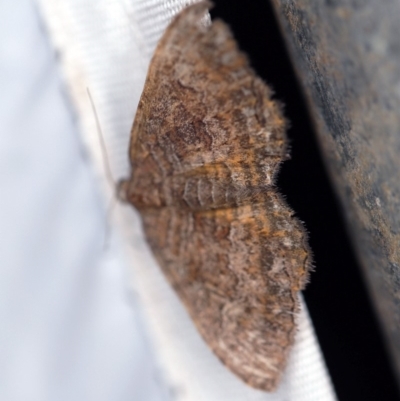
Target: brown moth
205	147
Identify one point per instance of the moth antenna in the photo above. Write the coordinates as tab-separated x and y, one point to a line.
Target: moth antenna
107	171
106	160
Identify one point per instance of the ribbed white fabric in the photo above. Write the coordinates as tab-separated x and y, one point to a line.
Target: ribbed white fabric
106	45
67	332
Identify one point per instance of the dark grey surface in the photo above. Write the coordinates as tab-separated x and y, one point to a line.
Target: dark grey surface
347	56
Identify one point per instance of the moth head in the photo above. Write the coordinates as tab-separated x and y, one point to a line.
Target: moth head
122	191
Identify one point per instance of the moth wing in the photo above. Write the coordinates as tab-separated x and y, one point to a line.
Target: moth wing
206	143
238	272
203	113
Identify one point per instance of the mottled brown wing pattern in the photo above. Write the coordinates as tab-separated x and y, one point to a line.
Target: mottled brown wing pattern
206	144
238	271
203	112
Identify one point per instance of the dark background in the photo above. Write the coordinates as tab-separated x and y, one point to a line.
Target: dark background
336	297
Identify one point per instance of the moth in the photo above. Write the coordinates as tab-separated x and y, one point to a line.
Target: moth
206	145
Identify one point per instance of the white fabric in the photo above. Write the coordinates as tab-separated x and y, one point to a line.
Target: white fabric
73	335
67	331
